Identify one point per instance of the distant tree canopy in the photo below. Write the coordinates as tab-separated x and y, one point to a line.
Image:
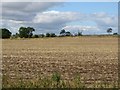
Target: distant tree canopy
26	32
79	33
64	33
47	34
35	36
50	35
41	35
115	33
109	30
68	33
5	33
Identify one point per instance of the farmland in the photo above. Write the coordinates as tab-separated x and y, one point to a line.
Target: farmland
94	59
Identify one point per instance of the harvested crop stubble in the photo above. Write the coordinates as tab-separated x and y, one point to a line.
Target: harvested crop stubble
94	59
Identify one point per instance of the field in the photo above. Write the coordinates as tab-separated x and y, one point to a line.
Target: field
30	62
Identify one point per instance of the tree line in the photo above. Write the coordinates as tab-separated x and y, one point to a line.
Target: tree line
27	32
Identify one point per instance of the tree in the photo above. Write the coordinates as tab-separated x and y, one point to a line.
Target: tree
62	32
115	33
52	35
47	34
30	30
68	33
26	32
109	30
15	35
41	35
5	33
23	32
79	34
35	36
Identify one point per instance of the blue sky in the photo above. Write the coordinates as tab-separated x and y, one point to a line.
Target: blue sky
89	17
110	8
89	7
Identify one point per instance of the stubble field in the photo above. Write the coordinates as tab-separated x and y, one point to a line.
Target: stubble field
93	59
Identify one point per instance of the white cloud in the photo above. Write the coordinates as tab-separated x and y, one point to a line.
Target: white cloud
86	29
80	28
53	21
104	19
17	22
56	16
12	25
24	10
38	15
57	20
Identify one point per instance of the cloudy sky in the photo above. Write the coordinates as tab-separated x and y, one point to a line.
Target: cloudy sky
88	17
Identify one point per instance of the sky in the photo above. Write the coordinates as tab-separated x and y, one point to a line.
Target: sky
52	17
